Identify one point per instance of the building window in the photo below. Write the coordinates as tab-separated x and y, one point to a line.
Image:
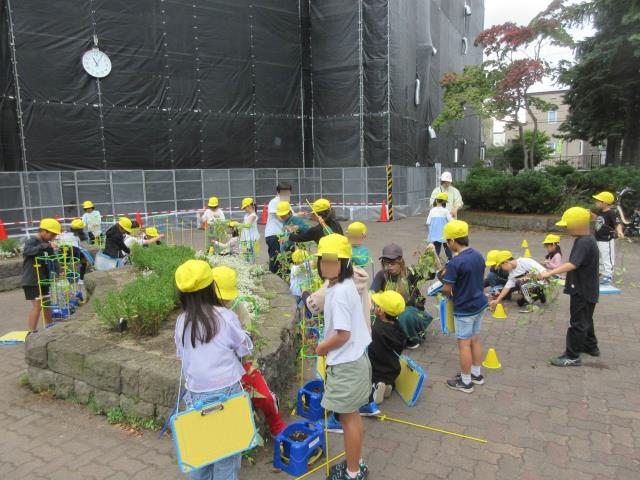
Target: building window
580	147
552	147
552	116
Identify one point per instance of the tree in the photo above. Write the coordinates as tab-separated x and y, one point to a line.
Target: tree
604	82
499	87
540	148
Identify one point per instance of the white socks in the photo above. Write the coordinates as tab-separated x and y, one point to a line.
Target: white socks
475	370
466	378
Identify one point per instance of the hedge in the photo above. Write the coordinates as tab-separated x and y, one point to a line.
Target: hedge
545	191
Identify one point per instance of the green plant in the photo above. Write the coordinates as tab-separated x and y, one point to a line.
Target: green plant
93	406
514	154
24	380
116	416
9	247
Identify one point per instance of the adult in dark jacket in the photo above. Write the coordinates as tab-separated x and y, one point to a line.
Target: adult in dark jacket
327	223
114	245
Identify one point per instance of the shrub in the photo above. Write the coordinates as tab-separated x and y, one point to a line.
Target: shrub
9	247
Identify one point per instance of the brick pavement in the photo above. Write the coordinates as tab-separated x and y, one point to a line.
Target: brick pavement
541	422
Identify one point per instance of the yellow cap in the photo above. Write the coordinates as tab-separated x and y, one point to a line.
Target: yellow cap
233	224
213	202
283	208
390	301
442	196
575	217
491	258
456	229
606	197
125	223
357	229
321	205
226	282
502	256
551	238
51	225
193	275
246	202
77	224
300	256
87	204
334	245
151	232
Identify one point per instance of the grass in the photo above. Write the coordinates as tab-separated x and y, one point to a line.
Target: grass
24	380
116	416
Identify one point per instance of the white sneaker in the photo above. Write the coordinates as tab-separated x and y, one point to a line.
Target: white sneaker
378	392
387	391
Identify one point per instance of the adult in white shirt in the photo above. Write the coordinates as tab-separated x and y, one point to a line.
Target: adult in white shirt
454	198
274	227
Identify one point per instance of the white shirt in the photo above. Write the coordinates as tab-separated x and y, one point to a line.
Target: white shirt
213	365
299	273
274	224
130	241
93	222
68	239
343	311
210	216
250	234
523	266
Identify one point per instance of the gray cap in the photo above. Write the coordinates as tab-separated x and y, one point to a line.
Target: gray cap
391	252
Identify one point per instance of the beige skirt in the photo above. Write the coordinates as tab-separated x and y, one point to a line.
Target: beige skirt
348	386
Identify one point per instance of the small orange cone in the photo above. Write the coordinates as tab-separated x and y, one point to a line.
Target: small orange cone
265	214
491	360
3	231
499	312
527	253
524	244
384	214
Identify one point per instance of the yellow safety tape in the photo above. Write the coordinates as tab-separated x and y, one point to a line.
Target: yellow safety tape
384	418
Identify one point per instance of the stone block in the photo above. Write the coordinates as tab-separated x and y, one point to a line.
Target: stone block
83	391
158	382
137	407
10	283
35	351
64	387
102	368
105	401
67	354
130	372
273	283
41	379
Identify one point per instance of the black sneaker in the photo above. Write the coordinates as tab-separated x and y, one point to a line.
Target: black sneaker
564	361
594	353
341	468
476	380
456	383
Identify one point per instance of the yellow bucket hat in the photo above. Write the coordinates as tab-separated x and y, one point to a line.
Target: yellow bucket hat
283	208
246	202
491	258
151	232
334	245
51	225
442	196
575	217
87	204
456	229
606	197
226	282
125	223
502	256
321	205
213	202
357	229
551	238
193	275
390	301
77	224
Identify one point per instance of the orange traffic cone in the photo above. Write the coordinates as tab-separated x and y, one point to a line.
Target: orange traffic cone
139	218
384	214
3	231
265	214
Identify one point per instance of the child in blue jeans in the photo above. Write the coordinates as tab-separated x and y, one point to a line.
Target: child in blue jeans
464	281
210	342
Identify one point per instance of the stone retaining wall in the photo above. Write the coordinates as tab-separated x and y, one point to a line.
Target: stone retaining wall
10	273
511	221
74	364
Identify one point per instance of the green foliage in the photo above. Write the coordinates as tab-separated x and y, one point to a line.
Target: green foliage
117	416
548	191
24	380
146	302
561	169
9	247
93	406
514	154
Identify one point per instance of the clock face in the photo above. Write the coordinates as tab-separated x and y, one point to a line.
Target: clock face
96	63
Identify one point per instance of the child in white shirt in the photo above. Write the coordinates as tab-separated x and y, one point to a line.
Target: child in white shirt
438	217
520	270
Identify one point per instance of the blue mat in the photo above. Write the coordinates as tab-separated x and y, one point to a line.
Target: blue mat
609	290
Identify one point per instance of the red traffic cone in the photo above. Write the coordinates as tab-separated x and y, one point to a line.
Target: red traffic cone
139	218
3	231
265	214
384	214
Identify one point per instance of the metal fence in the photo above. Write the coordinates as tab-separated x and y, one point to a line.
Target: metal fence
357	193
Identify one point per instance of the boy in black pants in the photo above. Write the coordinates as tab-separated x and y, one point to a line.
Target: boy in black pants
582	287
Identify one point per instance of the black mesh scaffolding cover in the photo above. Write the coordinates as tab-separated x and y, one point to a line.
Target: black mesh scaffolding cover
231	83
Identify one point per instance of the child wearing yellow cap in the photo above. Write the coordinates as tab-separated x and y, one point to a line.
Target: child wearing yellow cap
607	229
210	342
387	342
346	337
520	271
582	287
356	233
249	232
438	217
114	244
553	259
463	280
327	224
496	277
301	271
92	221
232	246
212	213
39	245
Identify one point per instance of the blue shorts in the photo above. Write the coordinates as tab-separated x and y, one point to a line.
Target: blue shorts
468	327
